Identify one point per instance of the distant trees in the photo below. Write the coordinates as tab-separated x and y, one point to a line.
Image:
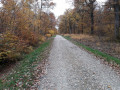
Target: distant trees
81	10
87	6
68	22
91	18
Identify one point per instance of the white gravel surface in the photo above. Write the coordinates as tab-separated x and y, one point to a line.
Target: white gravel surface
71	68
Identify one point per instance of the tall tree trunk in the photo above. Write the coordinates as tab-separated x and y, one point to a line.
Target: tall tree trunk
82	24
92	21
65	25
117	18
70	31
74	28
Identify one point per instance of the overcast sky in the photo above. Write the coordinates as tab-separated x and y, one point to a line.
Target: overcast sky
62	5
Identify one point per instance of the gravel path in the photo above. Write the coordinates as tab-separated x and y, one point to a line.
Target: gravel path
72	68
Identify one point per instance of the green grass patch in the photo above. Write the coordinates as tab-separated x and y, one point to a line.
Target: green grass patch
22	77
54	36
67	37
97	52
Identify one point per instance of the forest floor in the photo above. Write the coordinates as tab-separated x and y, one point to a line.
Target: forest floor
70	67
103	44
6	68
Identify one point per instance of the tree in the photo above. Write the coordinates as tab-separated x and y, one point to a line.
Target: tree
91	6
117	17
80	9
23	25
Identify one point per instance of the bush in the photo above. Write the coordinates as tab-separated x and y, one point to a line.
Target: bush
52	32
31	38
42	38
9	42
12	47
48	35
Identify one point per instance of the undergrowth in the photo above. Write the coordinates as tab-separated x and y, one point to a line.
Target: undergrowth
97	52
22	77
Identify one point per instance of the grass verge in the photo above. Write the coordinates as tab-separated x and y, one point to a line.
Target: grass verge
97	52
22	77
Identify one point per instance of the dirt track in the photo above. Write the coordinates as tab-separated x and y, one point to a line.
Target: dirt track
71	68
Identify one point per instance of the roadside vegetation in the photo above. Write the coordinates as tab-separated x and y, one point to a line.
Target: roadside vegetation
103	44
110	58
25	29
94	26
90	17
23	76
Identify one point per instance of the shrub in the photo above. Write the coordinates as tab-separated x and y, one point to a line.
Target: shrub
42	38
52	32
48	35
9	42
12	47
31	38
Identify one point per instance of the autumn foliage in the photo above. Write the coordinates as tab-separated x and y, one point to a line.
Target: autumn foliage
89	17
23	26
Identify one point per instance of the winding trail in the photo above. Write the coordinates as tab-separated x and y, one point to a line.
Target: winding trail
71	68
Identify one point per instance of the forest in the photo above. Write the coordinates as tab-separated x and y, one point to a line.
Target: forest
90	17
93	24
78	50
24	25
